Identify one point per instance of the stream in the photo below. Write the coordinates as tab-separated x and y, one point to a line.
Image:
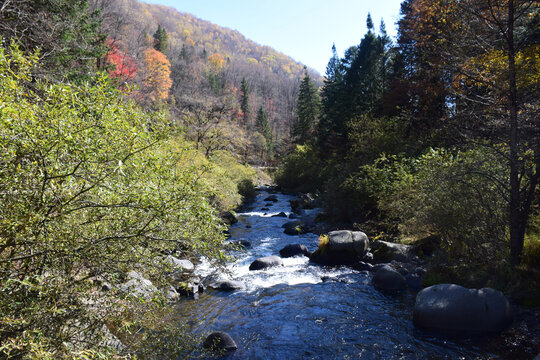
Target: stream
306	311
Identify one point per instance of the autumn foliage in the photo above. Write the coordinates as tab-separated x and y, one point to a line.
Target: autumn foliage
157	75
120	65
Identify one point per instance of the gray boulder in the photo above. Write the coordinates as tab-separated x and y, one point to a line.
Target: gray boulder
137	286
453	308
220	341
171	294
179	264
294	250
227	285
387	278
266	262
344	247
384	251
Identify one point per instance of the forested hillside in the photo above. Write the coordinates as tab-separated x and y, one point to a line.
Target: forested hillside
208	66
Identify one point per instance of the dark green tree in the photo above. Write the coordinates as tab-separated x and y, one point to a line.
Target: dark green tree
161	39
263	127
244	101
307	111
369	23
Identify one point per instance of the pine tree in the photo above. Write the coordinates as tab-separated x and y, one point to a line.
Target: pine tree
263	127
161	39
369	23
307	111
244	101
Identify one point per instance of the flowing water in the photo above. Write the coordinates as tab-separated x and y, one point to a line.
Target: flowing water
305	311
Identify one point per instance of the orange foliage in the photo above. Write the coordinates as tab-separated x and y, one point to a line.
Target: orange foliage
217	61
157	78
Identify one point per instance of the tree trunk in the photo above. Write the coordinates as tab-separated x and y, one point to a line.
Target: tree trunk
516	218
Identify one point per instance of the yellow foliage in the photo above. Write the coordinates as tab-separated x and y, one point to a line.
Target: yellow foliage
157	75
491	69
217	61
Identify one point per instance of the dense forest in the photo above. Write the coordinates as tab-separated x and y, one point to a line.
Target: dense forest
435	136
129	131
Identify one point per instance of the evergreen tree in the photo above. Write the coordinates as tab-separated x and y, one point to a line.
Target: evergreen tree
369	23
263	127
244	101
161	39
307	111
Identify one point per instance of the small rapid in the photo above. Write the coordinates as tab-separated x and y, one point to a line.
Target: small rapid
305	311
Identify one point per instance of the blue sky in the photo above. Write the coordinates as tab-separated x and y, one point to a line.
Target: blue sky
302	29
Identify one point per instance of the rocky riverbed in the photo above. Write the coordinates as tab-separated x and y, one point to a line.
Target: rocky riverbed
288	307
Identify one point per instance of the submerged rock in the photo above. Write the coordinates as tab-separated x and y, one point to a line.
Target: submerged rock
387	278
297	230
294	250
227	285
241	243
453	308
362	266
281	214
266	262
219	341
272	198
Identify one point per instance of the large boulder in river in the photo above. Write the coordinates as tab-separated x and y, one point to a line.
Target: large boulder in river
266	262
342	247
387	278
220	341
294	250
384	251
453	308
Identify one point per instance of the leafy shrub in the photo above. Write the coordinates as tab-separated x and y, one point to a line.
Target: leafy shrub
246	188
301	170
459	196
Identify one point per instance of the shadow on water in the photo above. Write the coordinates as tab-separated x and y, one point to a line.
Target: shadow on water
289	312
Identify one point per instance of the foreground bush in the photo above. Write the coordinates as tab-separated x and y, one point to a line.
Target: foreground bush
90	186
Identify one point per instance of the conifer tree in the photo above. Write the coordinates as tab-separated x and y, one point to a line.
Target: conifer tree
263	127
369	22
161	39
307	111
244	101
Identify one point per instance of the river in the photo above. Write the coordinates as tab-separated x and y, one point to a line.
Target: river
305	311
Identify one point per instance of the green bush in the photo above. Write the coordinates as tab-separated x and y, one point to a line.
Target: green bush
459	196
246	188
301	170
